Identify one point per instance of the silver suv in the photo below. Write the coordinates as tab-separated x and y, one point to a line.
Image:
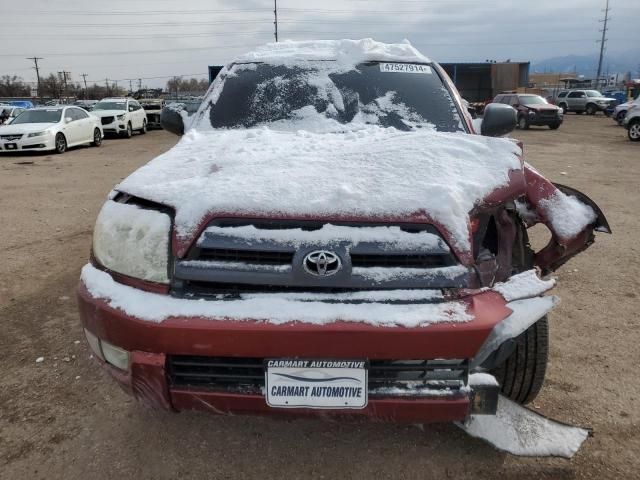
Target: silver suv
632	122
579	101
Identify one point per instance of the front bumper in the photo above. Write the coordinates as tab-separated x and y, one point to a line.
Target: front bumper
152	343
41	143
117	127
545	120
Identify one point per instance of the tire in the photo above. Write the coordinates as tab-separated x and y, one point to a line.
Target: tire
97	137
591	109
60	143
634	131
620	116
523	123
564	108
129	132
143	130
521	375
554	126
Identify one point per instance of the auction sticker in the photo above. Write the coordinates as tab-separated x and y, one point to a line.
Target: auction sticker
405	68
296	383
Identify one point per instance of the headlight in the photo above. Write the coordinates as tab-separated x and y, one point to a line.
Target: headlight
133	241
37	134
532	113
120	117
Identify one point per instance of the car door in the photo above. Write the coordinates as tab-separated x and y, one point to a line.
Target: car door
576	100
85	125
138	113
70	127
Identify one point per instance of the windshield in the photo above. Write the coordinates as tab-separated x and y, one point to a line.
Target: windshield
38	116
110	106
593	93
404	96
532	100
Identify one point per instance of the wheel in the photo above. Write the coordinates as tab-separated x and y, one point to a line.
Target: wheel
97	137
563	106
61	143
129	132
523	123
143	130
591	109
554	126
521	375
620	116
634	131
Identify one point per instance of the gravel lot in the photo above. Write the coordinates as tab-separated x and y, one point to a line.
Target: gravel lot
64	417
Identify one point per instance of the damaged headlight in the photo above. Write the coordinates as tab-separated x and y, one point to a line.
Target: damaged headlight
133	241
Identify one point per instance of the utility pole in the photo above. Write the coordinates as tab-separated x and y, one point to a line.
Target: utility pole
275	16
63	75
84	78
35	60
106	85
603	41
130	86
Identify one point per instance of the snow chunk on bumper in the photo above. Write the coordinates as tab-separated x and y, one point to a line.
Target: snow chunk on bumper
274	308
523	285
372	172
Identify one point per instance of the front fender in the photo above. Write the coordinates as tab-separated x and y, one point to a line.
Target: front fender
540	193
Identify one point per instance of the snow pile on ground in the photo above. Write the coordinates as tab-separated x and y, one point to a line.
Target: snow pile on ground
391	238
523	285
567	215
520	431
373	172
344	52
275	308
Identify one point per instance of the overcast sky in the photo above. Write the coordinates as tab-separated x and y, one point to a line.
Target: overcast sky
155	39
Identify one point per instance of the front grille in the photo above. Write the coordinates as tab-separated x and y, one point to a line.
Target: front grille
256	257
107	120
407	261
11	138
246	375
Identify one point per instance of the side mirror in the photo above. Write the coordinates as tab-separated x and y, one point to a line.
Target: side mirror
172	118
68	120
131	109
498	120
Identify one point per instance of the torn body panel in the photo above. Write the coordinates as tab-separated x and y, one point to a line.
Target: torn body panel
565	243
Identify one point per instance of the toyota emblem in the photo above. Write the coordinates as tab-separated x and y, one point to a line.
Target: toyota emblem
321	263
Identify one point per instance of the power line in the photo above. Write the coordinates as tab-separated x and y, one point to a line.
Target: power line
603	41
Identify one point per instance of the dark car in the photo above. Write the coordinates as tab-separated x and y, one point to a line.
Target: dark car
532	110
331	236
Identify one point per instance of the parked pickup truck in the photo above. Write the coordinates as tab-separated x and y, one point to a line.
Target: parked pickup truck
580	101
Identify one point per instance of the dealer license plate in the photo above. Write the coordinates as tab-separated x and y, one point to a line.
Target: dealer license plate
295	383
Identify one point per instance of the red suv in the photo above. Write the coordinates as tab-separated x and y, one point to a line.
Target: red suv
532	110
331	236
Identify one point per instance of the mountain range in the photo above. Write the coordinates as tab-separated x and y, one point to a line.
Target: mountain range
587	65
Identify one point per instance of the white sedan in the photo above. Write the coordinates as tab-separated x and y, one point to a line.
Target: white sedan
50	128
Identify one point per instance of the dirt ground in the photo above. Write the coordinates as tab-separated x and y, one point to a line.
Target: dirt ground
65	418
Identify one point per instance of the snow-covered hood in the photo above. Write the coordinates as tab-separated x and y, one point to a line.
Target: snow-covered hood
107	113
541	108
24	128
373	172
